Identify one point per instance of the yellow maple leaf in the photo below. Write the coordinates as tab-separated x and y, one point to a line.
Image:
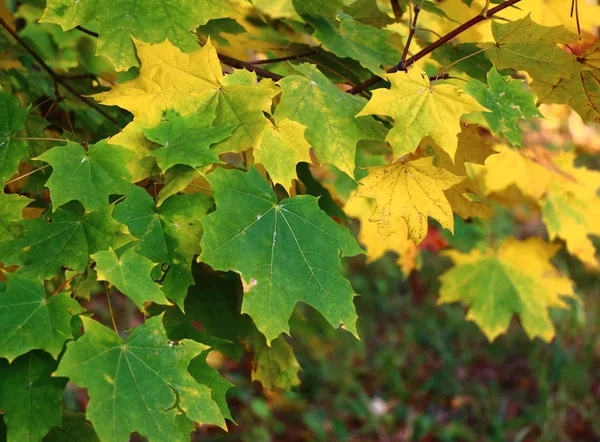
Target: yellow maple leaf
375	245
420	109
571	208
465	205
168	79
566	194
518	278
282	147
511	166
471	148
409	192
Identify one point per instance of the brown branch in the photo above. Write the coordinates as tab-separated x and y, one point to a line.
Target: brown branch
238	64
58	79
397	9
433	46
411	34
87	31
277	60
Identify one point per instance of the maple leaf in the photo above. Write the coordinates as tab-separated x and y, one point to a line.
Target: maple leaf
149	20
130	273
167	234
66	239
555	13
120	400
328	114
29	398
375	245
366	44
187	140
566	194
11	219
168	79
407	193
463	204
244	101
275	365
508	103
74	426
31	320
581	90
285	252
526	46
12	120
282	147
511	166
87	175
571	208
420	109
471	148
518	278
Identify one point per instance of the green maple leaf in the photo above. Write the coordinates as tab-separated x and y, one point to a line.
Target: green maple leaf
140	384
149	20
329	116
12	120
65	240
366	44
89	176
30	398
130	273
167	234
275	365
74	427
518	278
187	140
11	219
243	102
508	103
526	46
285	252
31	320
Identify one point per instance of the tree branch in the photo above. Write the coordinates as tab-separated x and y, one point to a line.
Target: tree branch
87	31
433	46
277	60
238	64
411	34
58	79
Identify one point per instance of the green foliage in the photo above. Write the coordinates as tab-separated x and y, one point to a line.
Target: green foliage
208	201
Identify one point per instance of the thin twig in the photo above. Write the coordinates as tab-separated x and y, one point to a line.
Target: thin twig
110	310
411	33
26	174
436	44
87	31
277	60
56	77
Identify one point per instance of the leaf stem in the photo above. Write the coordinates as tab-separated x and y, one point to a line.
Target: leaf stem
436	44
56	77
27	174
41	139
110	310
